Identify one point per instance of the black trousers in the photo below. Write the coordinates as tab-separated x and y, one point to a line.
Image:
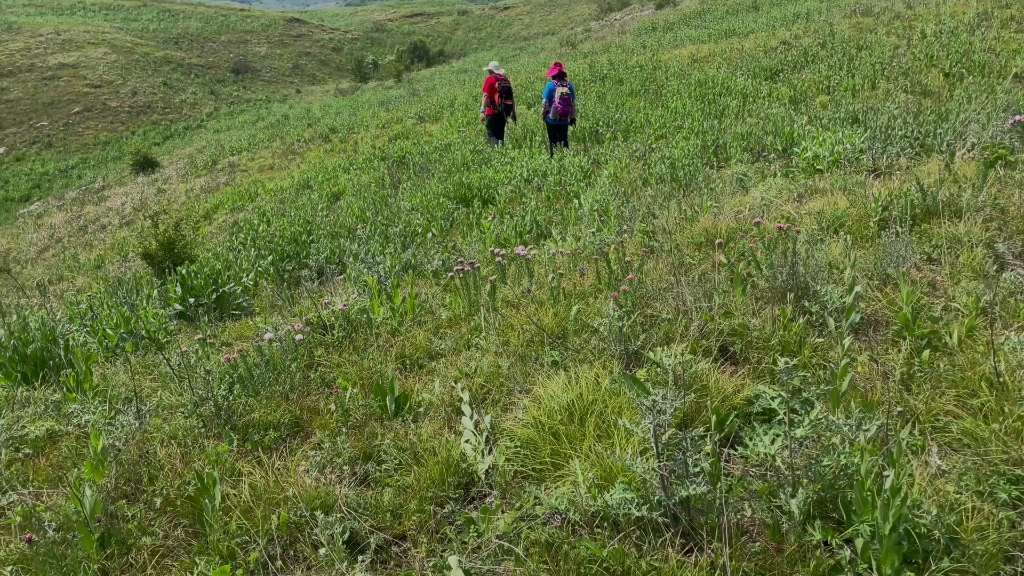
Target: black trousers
557	136
495	124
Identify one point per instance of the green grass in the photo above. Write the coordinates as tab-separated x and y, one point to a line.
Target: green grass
834	388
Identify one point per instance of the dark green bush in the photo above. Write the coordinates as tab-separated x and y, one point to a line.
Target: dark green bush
241	67
142	161
166	243
610	6
363	67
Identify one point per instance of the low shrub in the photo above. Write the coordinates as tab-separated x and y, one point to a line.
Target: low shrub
210	289
122	315
166	243
611	6
241	67
141	161
34	347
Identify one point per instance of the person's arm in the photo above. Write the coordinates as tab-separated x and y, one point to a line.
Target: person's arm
572	119
545	98
488	85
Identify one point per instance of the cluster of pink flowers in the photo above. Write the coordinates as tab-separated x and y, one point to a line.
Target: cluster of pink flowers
300	331
230	358
499	255
522	252
464	267
785	228
342	306
1017	120
624	288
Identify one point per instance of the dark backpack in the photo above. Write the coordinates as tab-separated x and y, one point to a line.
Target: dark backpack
506	101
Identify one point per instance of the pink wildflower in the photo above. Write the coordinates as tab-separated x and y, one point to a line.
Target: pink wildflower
29	539
520	251
325	303
630	278
229	358
299	337
298	326
615	295
184	350
199	337
209	340
719	243
798	231
629	260
335	391
1017	120
623	288
758	221
645	251
451	275
342	307
268	336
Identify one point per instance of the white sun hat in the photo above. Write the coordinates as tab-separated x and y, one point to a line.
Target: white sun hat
495	67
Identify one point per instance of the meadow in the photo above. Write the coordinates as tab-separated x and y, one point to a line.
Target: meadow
764	317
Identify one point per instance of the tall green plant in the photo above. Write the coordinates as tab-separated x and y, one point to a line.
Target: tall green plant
842	373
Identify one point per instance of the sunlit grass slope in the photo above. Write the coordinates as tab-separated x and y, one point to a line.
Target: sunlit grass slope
764	317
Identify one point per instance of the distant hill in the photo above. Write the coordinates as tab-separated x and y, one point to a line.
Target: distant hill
312	4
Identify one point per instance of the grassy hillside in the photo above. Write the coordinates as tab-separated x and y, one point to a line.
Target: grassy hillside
763	318
85	83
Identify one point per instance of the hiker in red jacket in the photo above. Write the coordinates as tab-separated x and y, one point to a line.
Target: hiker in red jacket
498	104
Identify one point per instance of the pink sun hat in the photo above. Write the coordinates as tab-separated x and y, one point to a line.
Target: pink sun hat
555	69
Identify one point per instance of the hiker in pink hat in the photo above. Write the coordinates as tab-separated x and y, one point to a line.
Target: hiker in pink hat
559	107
